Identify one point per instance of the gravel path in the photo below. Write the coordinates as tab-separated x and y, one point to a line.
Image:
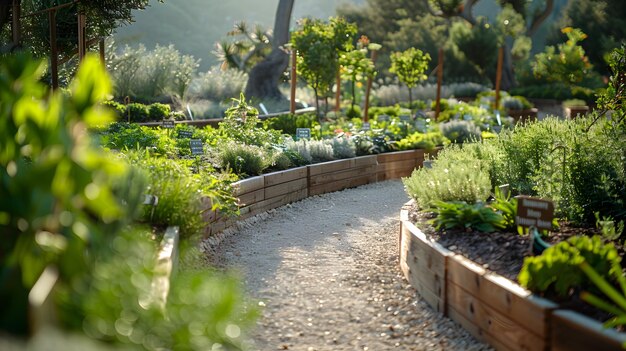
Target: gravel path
326	270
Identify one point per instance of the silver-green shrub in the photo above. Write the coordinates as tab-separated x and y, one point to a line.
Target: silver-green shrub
460	131
342	147
312	151
456	175
151	75
218	85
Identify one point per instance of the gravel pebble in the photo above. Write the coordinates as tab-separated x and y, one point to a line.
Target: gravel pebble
326	271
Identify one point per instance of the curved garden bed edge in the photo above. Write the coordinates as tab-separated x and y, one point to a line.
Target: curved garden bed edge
494	309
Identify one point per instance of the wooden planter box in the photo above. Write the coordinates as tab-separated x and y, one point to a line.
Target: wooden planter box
523	115
576	111
491	307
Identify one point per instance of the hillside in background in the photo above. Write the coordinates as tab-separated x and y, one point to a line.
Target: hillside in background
193	26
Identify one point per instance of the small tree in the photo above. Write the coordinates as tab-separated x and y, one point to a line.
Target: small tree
319	45
569	65
409	66
356	65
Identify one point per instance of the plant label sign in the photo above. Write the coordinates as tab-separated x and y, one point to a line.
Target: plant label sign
534	212
168	124
196	147
382	118
185	134
366	126
303	133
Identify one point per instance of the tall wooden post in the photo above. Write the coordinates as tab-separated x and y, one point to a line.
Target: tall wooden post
82	45
101	50
16	22
294	78
499	76
439	82
54	54
338	91
368	89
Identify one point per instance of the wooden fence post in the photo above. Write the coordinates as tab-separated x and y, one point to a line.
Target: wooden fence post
82	46
101	49
499	76
294	78
54	54
16	22
439	82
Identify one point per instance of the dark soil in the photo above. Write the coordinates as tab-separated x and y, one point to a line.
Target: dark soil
504	252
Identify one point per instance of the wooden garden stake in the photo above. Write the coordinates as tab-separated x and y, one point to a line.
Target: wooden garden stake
368	89
294	77
439	82
499	76
54	55
338	92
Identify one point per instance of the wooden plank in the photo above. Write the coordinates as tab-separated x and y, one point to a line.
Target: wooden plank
465	273
476	331
397	156
248	185
251	197
365	161
395	174
424	265
342	184
341	175
332	166
285	176
518	303
285	188
490	321
272	203
402	164
572	331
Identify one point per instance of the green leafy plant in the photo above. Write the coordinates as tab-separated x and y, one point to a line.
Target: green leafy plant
241	124
569	65
476	216
136	112
157	111
617	304
506	207
556	272
58	195
427	141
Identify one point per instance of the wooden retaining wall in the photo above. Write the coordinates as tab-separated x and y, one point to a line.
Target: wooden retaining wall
492	308
261	193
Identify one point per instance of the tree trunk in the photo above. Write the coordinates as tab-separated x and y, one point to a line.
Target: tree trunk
508	76
264	77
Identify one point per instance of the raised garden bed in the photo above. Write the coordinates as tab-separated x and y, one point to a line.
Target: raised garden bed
524	115
491	307
261	193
